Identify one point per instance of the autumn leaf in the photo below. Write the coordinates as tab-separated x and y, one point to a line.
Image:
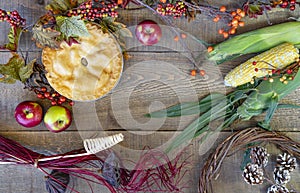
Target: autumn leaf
13	37
15	69
26	70
59	6
45	36
71	26
81	1
118	28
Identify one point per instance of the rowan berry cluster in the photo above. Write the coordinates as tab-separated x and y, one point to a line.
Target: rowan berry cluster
290	4
91	11
176	10
13	18
54	97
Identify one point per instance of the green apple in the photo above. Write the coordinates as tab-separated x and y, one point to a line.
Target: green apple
57	118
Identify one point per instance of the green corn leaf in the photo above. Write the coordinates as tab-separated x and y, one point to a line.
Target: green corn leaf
256	41
72	26
189	108
246	158
270	112
285	89
198	126
288	106
227	122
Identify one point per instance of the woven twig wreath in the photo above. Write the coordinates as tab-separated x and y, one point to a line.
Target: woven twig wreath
236	142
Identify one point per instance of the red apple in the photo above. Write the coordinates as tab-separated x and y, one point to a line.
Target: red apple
148	32
29	113
57	118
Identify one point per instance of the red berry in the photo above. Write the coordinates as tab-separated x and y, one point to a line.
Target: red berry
193	72
62	98
39	95
202	72
71	103
47	94
254	63
256	69
273	71
53	103
289	71
43	89
292	7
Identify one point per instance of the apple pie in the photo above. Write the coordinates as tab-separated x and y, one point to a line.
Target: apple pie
87	70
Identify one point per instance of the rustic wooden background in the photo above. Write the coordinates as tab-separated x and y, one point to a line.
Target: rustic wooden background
138	130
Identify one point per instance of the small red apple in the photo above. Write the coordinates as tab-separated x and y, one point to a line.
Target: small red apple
148	32
29	113
57	118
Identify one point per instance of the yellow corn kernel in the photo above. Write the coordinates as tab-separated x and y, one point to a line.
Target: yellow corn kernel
278	57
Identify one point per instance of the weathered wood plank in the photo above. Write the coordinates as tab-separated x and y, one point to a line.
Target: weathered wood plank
230	179
151	89
143	88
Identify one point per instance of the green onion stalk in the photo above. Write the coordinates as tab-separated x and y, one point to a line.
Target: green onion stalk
243	103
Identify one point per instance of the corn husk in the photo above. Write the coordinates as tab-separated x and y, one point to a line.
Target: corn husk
256	41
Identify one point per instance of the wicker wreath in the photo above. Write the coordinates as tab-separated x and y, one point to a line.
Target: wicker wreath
239	141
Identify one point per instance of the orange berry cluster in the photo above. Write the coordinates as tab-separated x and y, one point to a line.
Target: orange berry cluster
233	24
194	72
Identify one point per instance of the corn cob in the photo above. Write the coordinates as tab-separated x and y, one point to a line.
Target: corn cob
260	65
256	41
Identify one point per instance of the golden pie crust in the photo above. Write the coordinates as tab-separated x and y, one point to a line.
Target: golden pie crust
84	71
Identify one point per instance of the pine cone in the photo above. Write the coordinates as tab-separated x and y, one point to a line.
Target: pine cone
253	174
277	189
286	161
259	156
281	175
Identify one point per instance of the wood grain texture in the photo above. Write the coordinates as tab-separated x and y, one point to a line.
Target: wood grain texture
154	77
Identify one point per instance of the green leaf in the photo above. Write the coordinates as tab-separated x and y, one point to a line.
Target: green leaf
26	71
59	6
246	158
189	108
288	106
199	126
45	36
13	37
10	71
71	26
270	112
